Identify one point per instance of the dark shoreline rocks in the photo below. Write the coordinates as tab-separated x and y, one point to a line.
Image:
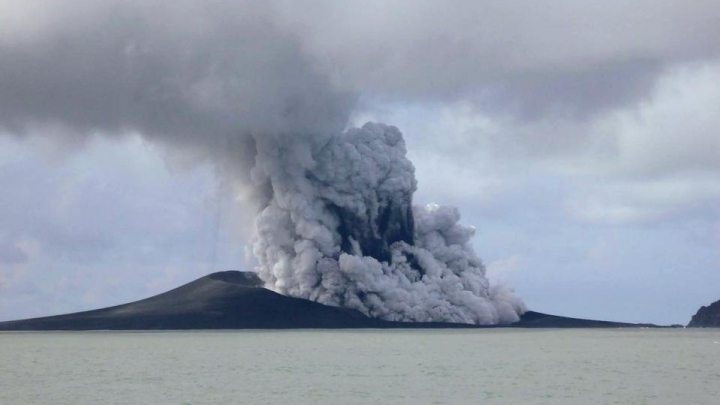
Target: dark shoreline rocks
236	300
706	317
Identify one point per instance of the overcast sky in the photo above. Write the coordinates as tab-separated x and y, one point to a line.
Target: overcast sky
580	138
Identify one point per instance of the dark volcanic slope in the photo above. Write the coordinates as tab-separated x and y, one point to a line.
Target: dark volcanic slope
235	300
533	319
706	317
225	300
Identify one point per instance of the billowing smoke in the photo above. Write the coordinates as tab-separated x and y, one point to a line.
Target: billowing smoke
241	83
341	229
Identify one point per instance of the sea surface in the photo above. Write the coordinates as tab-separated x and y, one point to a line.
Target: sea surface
504	366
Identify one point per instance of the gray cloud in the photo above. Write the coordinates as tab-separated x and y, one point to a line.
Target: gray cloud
201	76
202	71
646	162
524	56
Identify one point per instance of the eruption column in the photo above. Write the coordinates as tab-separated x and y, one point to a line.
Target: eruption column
340	229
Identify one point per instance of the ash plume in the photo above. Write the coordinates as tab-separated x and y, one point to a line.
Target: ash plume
232	82
341	229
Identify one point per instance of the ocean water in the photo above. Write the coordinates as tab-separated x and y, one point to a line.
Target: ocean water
503	366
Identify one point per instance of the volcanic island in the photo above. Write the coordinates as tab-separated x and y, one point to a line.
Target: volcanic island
237	300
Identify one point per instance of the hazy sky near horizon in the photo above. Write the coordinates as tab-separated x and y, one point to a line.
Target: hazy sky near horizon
580	138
